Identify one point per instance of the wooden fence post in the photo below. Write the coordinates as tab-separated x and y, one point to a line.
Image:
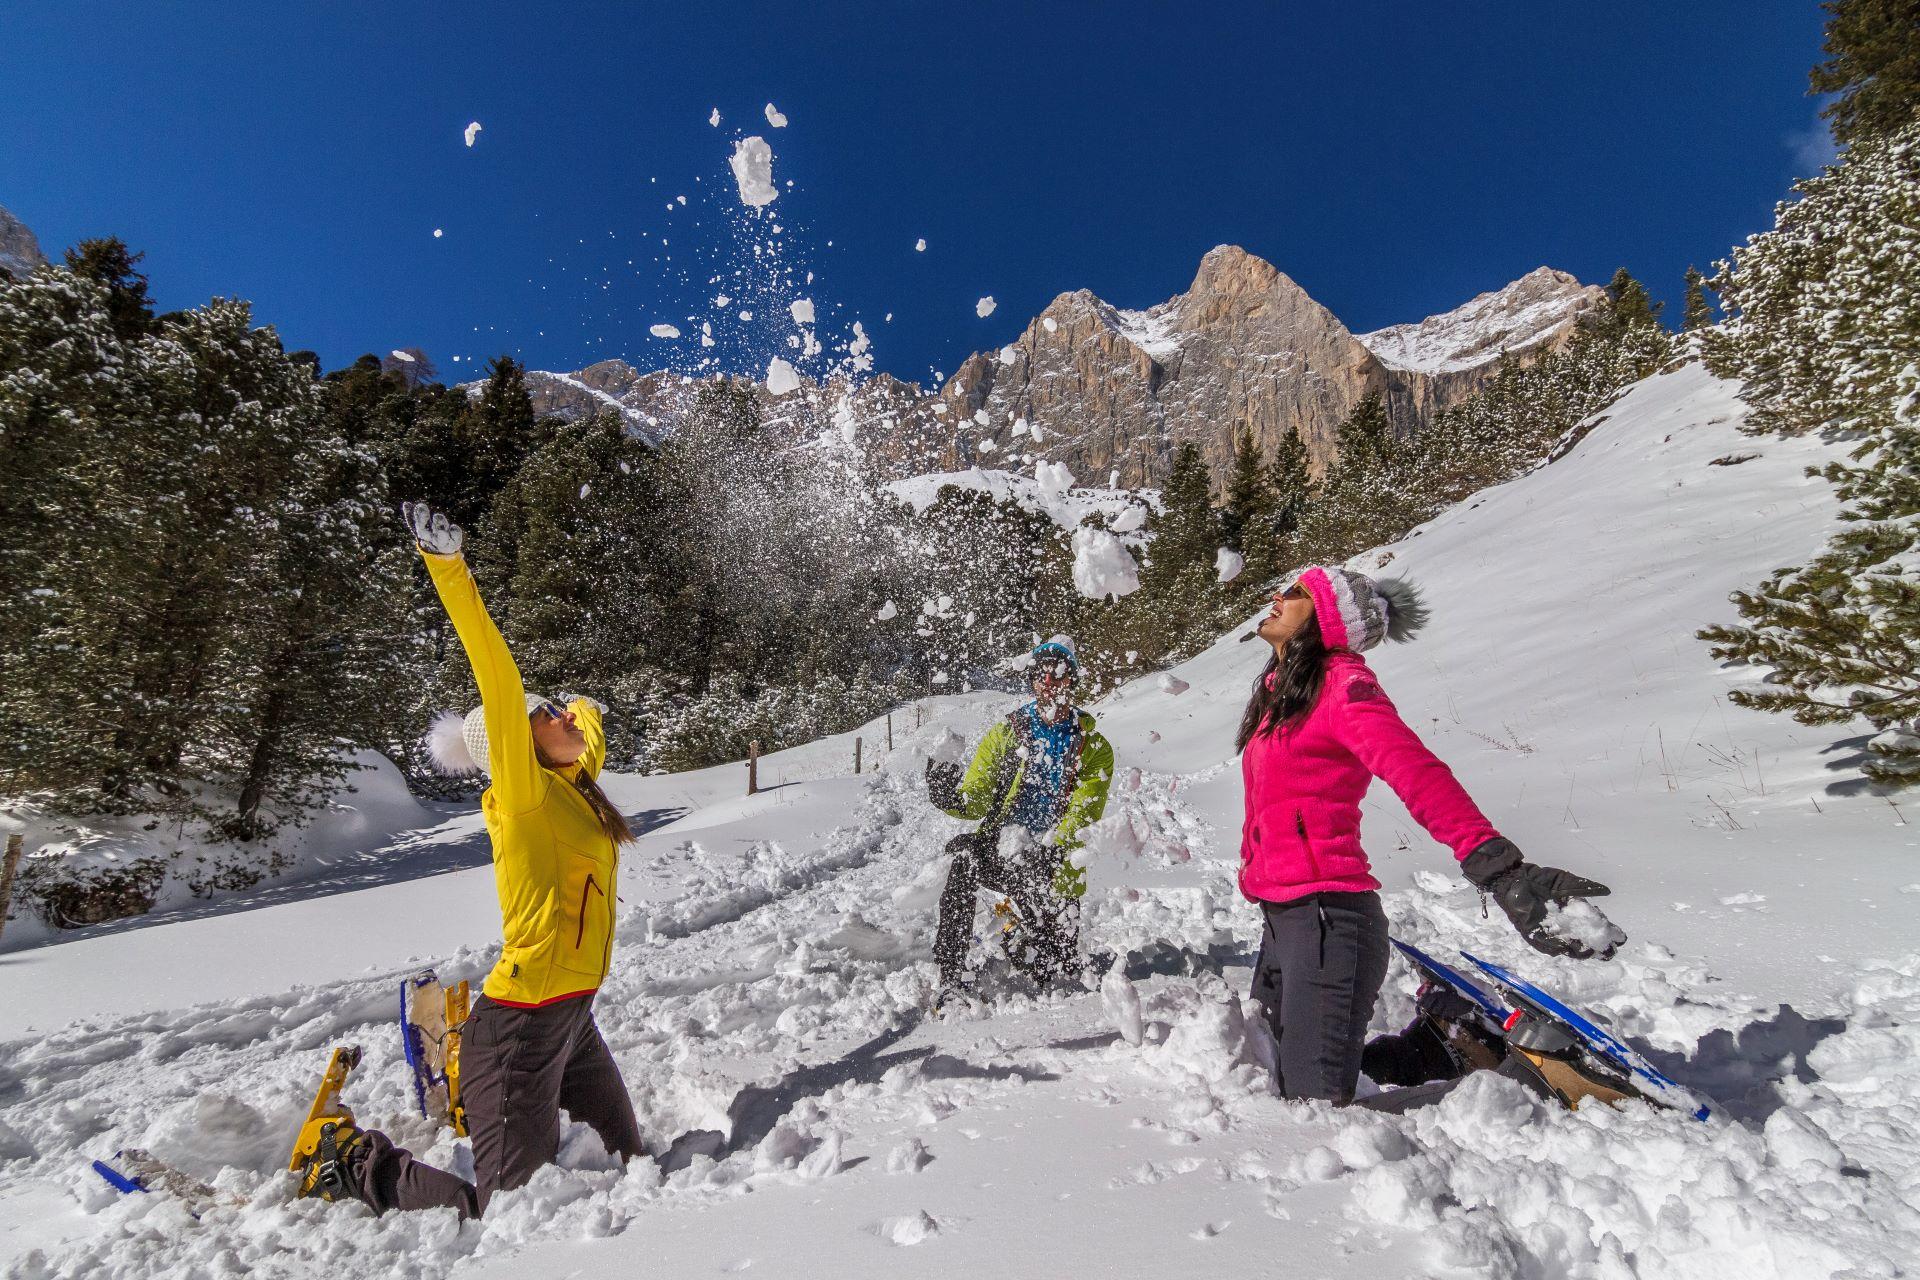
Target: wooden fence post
856	753
753	766
14	845
889	732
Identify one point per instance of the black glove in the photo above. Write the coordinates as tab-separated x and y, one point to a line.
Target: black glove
943	785
1524	892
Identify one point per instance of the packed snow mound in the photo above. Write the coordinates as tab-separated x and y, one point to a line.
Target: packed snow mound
771	969
1532	310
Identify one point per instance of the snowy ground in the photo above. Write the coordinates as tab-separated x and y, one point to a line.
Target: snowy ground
773	959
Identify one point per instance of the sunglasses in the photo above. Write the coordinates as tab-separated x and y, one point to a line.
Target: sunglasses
1295	592
547	708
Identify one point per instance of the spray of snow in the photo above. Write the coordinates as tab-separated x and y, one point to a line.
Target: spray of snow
752	165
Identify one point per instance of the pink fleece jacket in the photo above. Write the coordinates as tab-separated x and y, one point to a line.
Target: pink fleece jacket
1304	784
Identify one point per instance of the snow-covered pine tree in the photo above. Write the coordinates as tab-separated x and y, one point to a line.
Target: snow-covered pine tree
1873	64
1823	329
1697	313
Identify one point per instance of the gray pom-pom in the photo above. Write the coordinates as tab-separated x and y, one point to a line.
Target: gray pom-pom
1406	611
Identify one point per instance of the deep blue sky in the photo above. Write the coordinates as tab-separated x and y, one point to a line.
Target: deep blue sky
1395	158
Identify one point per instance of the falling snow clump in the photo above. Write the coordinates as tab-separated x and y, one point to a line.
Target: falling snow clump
752	164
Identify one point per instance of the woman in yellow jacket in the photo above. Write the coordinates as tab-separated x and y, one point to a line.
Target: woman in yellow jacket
530	1046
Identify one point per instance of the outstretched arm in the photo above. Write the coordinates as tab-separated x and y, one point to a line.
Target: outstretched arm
518	781
1370	728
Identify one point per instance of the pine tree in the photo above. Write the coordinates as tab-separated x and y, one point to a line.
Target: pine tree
1823	330
1249	506
110	263
1698	313
1873	63
1291	482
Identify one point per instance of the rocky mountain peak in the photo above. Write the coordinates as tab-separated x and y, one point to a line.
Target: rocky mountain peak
19	250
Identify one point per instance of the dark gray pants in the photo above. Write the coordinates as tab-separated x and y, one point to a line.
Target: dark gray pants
1322	960
518	1069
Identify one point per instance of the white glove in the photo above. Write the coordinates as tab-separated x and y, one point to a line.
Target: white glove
432	530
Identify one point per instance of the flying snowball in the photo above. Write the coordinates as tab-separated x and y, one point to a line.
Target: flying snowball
398	354
714	119
920	245
472	132
752	164
781	377
802	310
888	612
984	307
437	233
664	331
1102	566
774	117
1227	564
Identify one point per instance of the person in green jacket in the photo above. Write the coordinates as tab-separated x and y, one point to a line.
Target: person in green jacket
1037	778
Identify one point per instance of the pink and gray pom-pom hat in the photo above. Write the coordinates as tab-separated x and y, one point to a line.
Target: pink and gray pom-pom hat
1357	612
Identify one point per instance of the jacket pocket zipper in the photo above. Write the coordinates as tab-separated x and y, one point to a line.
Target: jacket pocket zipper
580	934
1306	844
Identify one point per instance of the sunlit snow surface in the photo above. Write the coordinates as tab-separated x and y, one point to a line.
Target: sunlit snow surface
773	958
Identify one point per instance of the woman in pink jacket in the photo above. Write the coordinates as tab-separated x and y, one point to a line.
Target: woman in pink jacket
1317	730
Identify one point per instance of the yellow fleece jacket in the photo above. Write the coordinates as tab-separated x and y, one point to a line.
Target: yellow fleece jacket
554	868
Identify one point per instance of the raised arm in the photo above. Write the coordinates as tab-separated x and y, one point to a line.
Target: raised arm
519	783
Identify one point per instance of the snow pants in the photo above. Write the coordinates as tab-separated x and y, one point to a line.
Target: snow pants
1054	920
518	1069
1322	961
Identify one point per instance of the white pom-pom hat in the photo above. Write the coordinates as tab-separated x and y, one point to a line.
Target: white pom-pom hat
1357	612
458	744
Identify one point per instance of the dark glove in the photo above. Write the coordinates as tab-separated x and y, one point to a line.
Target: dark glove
943	785
1524	891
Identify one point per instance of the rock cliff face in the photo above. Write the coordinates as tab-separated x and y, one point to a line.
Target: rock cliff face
19	251
1113	393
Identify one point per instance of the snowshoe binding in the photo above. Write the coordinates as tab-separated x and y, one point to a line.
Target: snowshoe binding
328	1134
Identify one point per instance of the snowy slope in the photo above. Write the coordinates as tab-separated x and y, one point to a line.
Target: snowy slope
773	957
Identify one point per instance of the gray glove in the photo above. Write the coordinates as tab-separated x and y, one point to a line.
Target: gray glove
1524	890
432	530
943	785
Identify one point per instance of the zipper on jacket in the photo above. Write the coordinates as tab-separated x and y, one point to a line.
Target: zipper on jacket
580	934
1306	844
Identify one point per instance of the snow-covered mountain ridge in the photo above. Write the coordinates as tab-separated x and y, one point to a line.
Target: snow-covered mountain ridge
1116	391
772	958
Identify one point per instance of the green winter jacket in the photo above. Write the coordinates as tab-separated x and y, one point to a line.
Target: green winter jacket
993	780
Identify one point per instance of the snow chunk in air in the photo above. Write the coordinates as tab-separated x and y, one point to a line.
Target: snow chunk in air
752	164
984	307
1102	566
781	377
472	131
714	119
774	118
802	310
1227	564
664	331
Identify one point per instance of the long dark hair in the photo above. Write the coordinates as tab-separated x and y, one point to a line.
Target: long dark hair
1285	691
609	817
